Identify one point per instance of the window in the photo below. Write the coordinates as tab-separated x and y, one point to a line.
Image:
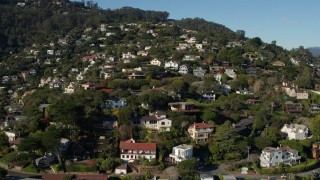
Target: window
123	156
163	123
127	156
276	157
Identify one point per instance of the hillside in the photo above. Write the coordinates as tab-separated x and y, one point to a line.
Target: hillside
84	84
315	51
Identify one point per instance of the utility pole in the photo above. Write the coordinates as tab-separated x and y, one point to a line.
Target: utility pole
248	149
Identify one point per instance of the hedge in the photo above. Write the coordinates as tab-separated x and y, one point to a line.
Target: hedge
80	167
307	166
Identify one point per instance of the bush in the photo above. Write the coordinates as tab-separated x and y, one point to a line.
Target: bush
80	167
56	167
308	165
31	169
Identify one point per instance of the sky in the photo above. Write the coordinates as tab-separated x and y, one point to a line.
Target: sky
291	23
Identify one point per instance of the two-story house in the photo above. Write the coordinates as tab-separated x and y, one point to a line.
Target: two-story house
183	107
130	150
183	69
271	156
295	131
115	103
158	121
291	107
199	72
181	153
200	132
172	65
155	62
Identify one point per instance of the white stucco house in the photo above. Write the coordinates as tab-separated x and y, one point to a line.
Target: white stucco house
183	69
158	121
172	65
155	62
295	131
181	153
130	150
271	156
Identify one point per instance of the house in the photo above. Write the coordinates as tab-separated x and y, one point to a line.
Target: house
295	131
199	72
183	107
234	44
45	161
244	92
253	101
64	144
200	132
302	95
291	107
88	86
208	97
130	150
142	53
207	176
10	135
190	58
122	169
158	121
251	70
291	92
181	153
278	64
271	156
231	73
314	108
115	103
70	88
155	62
136	75
243	127
172	65
183	69
316	150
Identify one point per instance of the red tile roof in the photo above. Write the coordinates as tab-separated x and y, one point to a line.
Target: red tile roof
201	125
106	90
129	145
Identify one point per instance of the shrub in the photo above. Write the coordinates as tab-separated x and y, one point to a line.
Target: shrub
80	167
31	169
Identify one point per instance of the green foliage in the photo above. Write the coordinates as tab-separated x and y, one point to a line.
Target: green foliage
226	144
31	169
187	166
81	167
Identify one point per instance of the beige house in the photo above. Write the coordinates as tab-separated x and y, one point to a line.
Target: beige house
200	132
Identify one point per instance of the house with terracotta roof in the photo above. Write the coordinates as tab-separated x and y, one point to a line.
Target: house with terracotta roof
200	132
130	150
158	121
271	156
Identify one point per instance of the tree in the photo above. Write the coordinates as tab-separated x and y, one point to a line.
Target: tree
226	143
187	166
108	164
208	115
3	173
315	126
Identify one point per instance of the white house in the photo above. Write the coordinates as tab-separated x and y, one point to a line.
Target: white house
244	91
10	135
122	169
181	153
302	95
295	131
183	69
231	73
271	156
199	72
155	62
157	122
130	150
116	103
173	65
70	88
